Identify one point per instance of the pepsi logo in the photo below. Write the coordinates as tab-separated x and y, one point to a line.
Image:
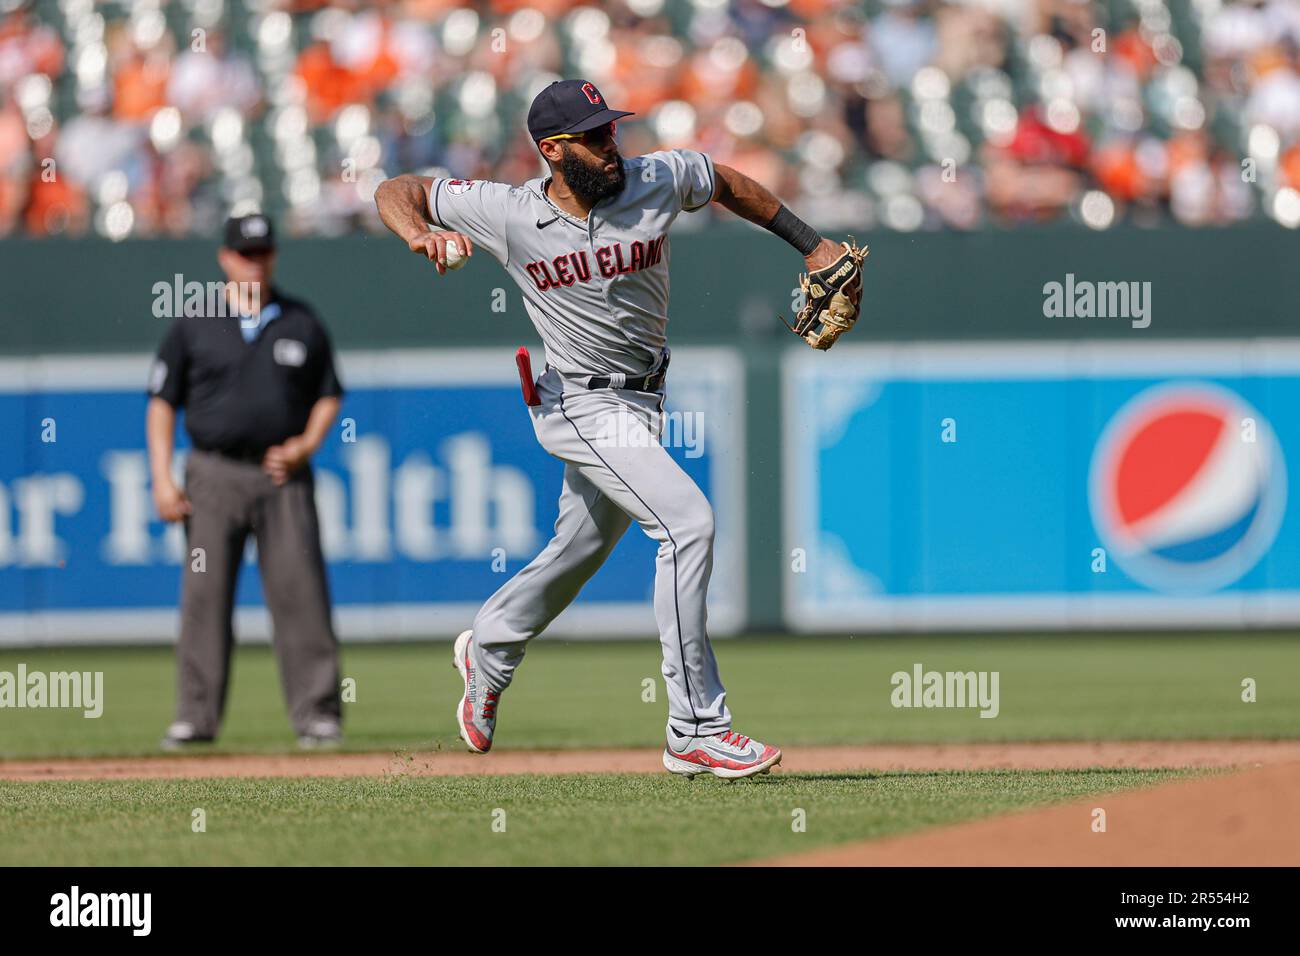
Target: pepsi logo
1187	487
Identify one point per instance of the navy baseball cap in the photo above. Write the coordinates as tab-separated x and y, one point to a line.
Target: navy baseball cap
252	233
569	106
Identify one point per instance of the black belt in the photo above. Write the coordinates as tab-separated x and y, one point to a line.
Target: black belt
650	382
241	453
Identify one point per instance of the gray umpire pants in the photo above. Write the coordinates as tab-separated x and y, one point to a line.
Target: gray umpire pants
231	499
615	472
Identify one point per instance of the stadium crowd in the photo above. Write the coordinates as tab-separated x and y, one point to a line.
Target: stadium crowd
156	118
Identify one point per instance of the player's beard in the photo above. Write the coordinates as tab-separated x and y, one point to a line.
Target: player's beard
590	182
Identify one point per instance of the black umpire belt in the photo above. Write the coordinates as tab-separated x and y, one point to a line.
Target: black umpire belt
650	382
246	453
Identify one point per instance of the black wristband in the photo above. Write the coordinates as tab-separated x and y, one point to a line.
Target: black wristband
795	231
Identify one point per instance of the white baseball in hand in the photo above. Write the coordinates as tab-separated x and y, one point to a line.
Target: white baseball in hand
453	257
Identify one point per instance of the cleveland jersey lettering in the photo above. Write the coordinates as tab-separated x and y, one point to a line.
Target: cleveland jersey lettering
564	270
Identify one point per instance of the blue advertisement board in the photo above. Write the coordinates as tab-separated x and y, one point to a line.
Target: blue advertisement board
1072	485
432	492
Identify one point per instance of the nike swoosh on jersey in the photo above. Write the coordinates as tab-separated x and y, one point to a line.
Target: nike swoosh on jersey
543	225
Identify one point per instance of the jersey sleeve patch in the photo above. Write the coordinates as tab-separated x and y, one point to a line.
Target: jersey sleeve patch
157	376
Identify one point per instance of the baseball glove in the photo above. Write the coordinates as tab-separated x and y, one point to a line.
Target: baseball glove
831	298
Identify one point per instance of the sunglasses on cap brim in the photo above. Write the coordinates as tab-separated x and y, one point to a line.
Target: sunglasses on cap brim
600	132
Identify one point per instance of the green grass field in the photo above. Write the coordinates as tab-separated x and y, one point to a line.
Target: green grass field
561	820
789	690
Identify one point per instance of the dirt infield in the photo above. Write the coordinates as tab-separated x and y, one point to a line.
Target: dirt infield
1240	819
1046	756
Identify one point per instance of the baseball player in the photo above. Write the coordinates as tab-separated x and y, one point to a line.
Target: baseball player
588	247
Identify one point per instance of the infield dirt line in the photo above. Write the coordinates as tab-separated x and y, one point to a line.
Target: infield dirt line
1248	818
1060	755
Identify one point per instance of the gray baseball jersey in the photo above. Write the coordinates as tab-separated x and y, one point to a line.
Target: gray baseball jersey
596	289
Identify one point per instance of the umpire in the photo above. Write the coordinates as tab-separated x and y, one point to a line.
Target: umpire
260	394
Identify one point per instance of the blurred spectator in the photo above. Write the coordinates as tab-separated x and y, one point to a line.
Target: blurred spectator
26	47
139	78
204	81
15	166
903	40
55	204
94	144
904	114
1039	172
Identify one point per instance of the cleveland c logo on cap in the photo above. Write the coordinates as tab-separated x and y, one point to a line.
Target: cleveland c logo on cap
592	93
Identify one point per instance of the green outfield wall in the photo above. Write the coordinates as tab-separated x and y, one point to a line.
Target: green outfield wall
729	283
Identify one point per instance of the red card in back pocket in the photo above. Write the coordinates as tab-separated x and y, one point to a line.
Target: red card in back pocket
526	382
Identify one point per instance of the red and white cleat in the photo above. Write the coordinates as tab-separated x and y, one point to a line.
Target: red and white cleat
476	714
729	755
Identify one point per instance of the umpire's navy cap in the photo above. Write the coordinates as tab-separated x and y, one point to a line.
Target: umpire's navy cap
252	233
569	106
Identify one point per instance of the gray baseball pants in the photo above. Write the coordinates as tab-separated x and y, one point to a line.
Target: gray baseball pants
615	472
231	499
